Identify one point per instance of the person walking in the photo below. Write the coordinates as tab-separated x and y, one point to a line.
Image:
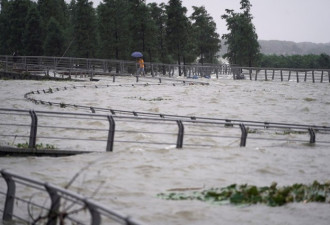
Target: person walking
141	67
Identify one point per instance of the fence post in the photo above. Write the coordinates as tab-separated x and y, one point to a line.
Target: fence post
243	136
111	134
179	142
322	77
312	135
53	213
10	196
297	76
289	77
33	129
313	76
95	215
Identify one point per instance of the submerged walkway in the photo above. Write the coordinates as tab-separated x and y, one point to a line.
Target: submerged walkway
78	68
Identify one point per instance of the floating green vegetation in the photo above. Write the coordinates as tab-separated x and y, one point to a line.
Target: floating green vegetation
287	132
145	99
38	146
248	195
309	99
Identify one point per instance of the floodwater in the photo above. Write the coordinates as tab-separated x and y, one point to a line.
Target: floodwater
128	179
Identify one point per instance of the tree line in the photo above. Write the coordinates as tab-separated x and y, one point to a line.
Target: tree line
295	61
113	30
116	28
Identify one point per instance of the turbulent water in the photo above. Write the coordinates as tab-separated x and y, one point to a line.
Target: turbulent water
132	176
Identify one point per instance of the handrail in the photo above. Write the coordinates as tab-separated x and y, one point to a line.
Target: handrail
155	121
92	66
59	197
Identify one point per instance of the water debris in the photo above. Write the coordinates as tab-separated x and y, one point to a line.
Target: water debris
250	194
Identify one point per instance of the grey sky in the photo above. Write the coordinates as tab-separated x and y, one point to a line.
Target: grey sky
287	20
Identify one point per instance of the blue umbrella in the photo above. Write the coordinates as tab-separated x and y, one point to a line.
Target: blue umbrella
137	54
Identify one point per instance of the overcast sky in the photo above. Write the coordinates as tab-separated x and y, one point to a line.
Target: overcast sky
286	20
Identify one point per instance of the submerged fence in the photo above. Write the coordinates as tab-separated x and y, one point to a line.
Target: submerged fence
30	201
66	67
281	74
105	129
79	67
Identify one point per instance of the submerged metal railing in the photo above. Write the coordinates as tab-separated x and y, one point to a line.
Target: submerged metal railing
281	74
105	128
67	67
31	201
75	67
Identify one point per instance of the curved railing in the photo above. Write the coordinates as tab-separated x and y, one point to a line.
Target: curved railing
30	201
111	128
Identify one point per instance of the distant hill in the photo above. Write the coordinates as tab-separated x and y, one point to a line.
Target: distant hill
289	48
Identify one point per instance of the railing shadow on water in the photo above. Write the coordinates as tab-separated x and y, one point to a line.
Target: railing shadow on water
30	201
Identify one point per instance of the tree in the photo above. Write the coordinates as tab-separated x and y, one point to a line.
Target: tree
176	30
84	29
206	39
32	41
242	41
114	30
158	15
13	18
54	42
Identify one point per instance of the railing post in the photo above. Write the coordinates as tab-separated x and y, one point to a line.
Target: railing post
313	77
53	213
10	196
243	136
322	76
111	134
179	142
33	129
95	215
297	76
289	77
312	135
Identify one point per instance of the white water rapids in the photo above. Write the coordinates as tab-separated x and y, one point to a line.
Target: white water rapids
131	177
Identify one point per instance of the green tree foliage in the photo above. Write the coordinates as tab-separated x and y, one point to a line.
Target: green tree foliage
13	18
84	29
206	39
158	15
114	30
177	26
295	61
53	8
32	41
243	46
54	43
113	23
